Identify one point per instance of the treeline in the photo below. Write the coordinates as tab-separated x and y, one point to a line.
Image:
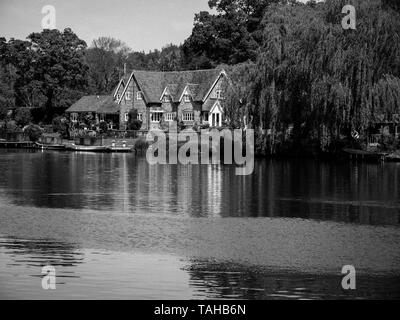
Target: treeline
297	75
314	83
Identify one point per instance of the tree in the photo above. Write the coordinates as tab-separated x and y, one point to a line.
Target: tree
23	117
231	36
134	123
51	63
106	59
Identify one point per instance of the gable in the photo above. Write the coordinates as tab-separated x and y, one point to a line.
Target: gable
216	107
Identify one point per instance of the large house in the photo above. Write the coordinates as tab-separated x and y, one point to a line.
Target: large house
193	97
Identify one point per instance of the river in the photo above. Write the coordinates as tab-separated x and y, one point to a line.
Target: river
114	226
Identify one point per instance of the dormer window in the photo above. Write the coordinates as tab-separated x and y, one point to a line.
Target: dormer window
167	98
139	95
118	96
128	96
186	98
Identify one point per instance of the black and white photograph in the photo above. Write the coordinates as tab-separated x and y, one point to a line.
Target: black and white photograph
199	150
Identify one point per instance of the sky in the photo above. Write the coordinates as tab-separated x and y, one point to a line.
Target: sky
142	24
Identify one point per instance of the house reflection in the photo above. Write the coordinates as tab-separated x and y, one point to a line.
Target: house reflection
123	183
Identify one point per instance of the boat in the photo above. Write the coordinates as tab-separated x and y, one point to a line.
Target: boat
75	147
393	157
57	147
365	155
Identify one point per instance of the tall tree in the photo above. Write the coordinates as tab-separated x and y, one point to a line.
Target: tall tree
58	68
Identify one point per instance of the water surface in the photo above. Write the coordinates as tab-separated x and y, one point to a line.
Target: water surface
116	227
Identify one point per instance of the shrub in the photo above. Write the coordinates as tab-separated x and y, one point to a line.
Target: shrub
34	132
60	125
11	126
23	117
103	127
133	122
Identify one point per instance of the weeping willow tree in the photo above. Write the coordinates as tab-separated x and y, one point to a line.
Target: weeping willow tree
314	80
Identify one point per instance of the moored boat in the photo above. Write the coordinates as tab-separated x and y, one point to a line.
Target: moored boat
57	147
75	147
364	155
393	157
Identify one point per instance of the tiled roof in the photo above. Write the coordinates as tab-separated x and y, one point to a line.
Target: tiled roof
153	83
98	104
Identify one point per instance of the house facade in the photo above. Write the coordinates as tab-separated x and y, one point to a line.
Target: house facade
159	98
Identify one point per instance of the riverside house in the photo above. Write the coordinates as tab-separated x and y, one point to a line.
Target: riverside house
191	97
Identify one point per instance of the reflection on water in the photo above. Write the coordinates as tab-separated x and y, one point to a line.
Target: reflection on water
171	231
349	192
99	274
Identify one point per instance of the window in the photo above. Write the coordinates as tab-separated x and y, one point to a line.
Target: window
169	116
118	96
140	116
188	116
74	117
205	116
102	117
167	98
128	96
156	116
186	98
126	116
218	94
139	95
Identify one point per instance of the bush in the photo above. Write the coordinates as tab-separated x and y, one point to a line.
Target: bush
133	122
60	125
11	126
34	132
388	142
3	112
23	117
103	127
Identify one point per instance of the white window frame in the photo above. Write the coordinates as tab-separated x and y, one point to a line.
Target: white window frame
140	116
186	97
167	98
126	116
159	115
128	95
118	96
170	116
188	116
139	95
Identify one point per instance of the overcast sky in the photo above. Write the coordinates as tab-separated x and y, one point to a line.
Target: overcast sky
141	24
